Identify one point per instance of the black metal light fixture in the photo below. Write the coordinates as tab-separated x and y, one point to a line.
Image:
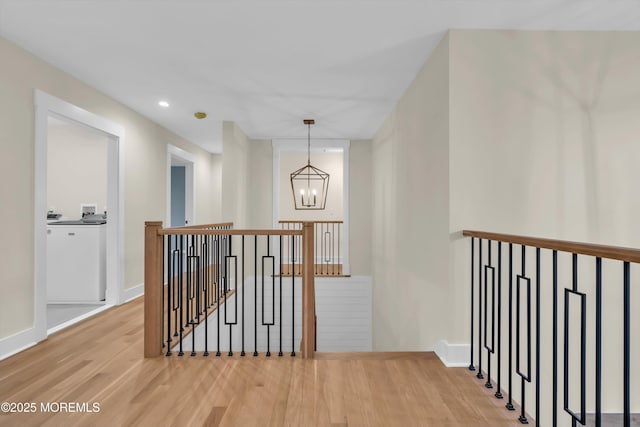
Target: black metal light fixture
309	184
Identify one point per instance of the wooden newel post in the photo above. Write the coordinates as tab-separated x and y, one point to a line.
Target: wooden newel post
308	292
153	287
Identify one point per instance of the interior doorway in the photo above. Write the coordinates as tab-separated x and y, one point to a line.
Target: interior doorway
180	187
286	151
76	221
178	196
49	107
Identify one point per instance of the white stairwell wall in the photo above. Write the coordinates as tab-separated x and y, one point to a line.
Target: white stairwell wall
343	310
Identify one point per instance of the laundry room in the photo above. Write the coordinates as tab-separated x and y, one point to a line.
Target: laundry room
76	221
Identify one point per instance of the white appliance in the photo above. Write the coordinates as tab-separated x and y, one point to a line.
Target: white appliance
76	263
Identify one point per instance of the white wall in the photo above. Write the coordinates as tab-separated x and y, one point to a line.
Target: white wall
144	175
410	222
343	308
76	169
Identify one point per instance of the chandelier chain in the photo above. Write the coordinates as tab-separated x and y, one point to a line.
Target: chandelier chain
308	144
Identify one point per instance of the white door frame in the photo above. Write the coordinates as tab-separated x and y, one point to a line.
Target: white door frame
179	157
45	106
300	145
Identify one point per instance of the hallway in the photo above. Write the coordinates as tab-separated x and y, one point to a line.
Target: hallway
100	361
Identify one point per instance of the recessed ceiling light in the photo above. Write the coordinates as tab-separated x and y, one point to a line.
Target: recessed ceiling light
164	104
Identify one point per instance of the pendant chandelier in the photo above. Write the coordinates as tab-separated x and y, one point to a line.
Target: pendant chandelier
309	184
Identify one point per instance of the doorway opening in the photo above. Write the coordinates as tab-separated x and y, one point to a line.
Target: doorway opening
50	109
76	221
331	155
180	187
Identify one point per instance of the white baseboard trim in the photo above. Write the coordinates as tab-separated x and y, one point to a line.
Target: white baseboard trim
18	342
133	292
75	320
453	355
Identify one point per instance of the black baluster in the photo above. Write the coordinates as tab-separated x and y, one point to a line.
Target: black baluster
537	336
509	404
273	299
300	251
242	353
627	346
218	298
169	303
479	374
333	248
341	265
293	300
486	312
195	288
583	347
164	296
175	283
255	297
280	270
499	387
205	270
180	290
235	288
523	378
598	342
471	367
322	248
555	339
188	284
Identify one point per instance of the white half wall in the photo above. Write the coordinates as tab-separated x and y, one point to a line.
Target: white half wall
343	310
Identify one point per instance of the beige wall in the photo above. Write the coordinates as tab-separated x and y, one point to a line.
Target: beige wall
260	184
235	174
215	184
76	169
258	190
360	206
545	142
329	162
144	175
410	223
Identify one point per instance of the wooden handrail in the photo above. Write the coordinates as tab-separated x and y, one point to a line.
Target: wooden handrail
602	251
296	221
206	226
231	232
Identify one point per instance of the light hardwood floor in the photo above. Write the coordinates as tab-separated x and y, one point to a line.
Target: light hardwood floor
100	360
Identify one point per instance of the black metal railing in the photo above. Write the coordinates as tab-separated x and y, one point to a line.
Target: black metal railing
328	257
560	297
225	292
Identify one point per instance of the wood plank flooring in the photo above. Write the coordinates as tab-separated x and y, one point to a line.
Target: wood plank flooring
100	361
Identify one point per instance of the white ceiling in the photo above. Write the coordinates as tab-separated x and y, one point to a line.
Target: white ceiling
268	64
